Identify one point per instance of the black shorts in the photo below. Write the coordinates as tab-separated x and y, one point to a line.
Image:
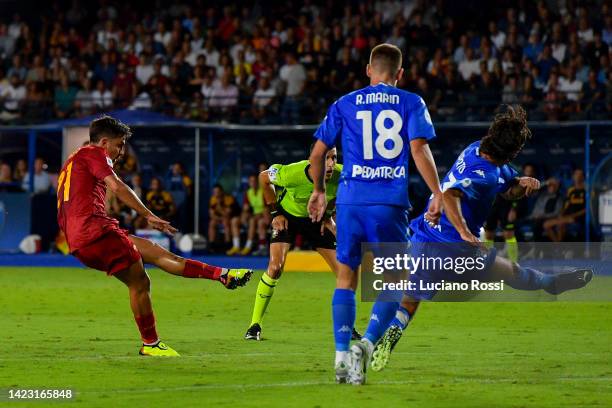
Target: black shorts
498	216
311	231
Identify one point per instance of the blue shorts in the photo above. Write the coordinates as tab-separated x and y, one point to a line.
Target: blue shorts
357	224
452	268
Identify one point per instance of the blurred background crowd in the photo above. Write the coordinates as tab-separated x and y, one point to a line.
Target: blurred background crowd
259	62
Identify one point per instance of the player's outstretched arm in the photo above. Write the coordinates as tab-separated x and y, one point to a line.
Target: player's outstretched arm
317	202
452	209
129	198
426	165
523	186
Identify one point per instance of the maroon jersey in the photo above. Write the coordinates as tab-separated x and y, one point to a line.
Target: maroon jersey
81	192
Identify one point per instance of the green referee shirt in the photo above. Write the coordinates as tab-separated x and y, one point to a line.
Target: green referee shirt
296	186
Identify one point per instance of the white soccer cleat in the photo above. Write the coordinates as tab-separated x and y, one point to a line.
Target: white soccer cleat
342	372
360	358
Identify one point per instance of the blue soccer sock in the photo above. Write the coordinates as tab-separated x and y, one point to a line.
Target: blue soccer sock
343	312
529	279
401	319
382	314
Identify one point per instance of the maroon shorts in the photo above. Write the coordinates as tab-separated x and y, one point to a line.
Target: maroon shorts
113	252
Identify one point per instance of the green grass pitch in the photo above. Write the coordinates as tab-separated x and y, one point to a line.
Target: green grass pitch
73	328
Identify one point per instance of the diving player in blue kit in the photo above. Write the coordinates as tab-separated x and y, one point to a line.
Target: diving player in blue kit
480	173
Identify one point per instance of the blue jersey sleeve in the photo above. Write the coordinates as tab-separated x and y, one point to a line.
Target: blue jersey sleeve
474	184
331	127
419	122
508	174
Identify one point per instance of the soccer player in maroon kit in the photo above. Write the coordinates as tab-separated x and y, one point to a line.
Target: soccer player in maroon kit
97	241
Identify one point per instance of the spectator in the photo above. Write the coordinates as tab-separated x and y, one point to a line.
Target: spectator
548	205
124	87
138	186
224	98
17	68
84	101
42	181
264	99
160	201
511	93
7	184
594	94
498	38
470	66
21	168
102	97
65	96
12	96
573	213
222	208
144	70
105	70
293	76
570	86
546	62
255	212
178	180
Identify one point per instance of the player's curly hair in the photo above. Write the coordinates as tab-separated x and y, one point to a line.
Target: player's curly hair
507	134
107	126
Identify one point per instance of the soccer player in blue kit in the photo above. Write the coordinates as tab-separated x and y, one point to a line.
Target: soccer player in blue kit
380	126
480	173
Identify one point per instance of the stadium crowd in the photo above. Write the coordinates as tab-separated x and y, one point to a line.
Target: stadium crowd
283	62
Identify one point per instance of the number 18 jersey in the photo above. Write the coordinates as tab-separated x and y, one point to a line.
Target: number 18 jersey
376	125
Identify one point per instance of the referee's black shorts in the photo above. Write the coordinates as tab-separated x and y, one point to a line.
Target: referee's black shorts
304	226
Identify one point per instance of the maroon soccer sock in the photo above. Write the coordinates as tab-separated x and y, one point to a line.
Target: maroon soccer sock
197	269
146	325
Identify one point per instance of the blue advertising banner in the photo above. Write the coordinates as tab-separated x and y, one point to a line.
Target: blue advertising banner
14	220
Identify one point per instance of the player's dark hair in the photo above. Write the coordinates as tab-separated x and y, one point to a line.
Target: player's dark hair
386	58
109	127
507	134
218	186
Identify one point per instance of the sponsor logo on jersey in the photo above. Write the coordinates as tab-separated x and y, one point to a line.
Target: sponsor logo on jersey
381	172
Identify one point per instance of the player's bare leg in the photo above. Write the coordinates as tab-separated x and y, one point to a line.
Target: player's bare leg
250	220
235	229
212	229
265	289
176	265
227	228
139	286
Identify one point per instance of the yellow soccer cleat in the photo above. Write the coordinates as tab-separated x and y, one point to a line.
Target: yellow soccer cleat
245	251
236	277
233	251
158	350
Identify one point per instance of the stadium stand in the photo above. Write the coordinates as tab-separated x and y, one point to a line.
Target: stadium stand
251	62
